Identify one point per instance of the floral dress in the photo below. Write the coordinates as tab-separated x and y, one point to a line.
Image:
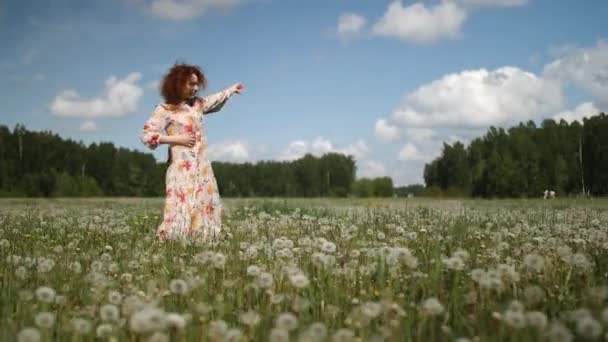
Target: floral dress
192	203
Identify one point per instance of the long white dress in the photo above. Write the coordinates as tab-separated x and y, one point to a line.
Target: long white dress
193	208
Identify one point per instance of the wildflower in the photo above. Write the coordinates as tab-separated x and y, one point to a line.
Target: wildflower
432	307
253	270
218	260
217	329
588	328
536	319
317	331
534	262
454	263
158	337
286	321
175	321
534	294
343	335
178	286
45	294
558	332
109	313
81	326
104	330
580	261
250	318
148	320
233	335
264	280
299	280
279	335
115	297
46	265
21	272
328	247
28	335
371	309
45	320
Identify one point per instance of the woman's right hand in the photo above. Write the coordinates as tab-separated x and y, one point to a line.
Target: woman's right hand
188	140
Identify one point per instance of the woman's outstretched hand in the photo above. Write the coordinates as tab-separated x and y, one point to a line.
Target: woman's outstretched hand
238	88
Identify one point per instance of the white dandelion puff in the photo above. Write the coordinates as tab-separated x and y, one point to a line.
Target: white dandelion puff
534	262
253	270
279	335
115	297
45	294
299	280
178	286
250	318
109	313
81	326
264	280
45	320
286	321
432	307
104	330
29	335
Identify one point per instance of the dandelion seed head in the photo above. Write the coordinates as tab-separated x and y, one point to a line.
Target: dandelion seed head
29	335
178	286
45	294
45	320
109	313
286	321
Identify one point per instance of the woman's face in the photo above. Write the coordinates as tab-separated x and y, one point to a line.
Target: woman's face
191	87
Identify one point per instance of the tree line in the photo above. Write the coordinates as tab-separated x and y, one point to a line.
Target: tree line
525	160
43	164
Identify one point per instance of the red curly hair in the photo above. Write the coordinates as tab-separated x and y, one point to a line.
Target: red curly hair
174	81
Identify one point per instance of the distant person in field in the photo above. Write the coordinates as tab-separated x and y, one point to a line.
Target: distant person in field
193	208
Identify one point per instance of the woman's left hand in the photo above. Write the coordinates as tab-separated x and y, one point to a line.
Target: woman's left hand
238	88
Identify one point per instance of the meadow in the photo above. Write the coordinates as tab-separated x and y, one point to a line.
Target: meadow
307	270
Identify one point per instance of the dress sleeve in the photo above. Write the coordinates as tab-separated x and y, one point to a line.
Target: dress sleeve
153	128
214	102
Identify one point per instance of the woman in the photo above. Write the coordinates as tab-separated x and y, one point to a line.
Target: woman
192	202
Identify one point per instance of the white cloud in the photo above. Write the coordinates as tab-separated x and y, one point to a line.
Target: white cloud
371	169
419	134
386	131
184	9
119	98
88	126
586	68
295	150
357	150
320	146
420	24
480	98
409	152
491	3
230	151
586	109
350	25
298	148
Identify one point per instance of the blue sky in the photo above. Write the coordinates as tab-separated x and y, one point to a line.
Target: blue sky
386	81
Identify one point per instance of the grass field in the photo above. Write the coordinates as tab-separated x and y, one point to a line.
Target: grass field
307	270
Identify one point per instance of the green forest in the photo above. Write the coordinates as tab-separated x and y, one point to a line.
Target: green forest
526	160
522	161
42	164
